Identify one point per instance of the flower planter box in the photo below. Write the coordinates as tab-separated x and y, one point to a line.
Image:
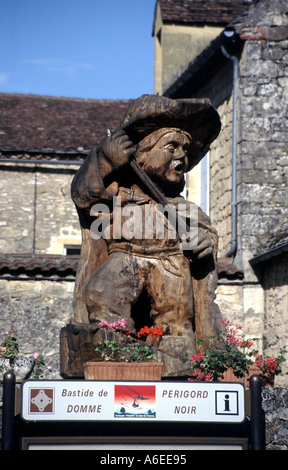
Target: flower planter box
123	370
266	379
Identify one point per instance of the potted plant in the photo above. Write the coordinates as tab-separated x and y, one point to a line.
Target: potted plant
122	355
232	358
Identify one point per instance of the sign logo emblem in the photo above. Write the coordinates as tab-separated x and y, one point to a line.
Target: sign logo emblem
41	400
226	402
135	400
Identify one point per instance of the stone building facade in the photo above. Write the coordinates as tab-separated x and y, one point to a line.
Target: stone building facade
244	72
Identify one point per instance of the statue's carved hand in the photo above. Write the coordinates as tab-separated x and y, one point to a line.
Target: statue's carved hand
130	196
204	247
118	149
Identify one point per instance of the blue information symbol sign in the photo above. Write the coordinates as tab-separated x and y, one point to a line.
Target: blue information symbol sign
226	402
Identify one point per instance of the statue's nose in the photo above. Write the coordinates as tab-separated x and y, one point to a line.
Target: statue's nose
179	153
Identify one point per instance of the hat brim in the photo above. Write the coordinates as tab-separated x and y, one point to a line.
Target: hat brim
196	116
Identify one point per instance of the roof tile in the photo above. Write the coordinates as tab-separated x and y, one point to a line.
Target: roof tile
48	265
202	11
53	123
45	265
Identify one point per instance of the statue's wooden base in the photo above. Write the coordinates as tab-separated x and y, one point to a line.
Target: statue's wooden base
77	345
78	342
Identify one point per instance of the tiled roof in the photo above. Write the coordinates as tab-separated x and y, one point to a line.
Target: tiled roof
45	265
52	123
202	11
48	265
226	269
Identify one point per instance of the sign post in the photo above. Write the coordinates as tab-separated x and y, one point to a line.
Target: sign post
8	410
257	414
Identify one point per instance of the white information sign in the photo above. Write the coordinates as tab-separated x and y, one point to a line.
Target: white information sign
142	401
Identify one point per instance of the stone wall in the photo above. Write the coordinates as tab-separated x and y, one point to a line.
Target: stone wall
275	406
263	146
36	307
56	217
219	91
259	302
275	283
37	310
221	174
263	187
262	162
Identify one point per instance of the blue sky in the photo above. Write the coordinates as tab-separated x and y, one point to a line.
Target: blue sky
101	49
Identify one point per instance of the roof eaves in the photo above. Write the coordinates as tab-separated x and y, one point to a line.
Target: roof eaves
44	265
43	151
18	264
269	254
226	269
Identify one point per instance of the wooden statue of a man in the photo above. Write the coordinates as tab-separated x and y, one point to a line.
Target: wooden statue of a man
134	264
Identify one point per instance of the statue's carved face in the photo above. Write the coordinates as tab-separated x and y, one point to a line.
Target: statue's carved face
167	161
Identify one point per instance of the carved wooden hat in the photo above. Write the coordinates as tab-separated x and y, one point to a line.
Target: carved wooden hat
196	116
